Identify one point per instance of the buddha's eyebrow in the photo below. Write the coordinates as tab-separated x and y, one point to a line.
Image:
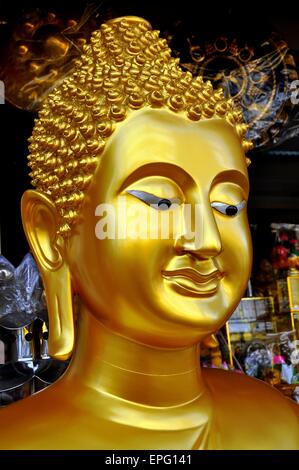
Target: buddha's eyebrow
167	170
232	176
181	177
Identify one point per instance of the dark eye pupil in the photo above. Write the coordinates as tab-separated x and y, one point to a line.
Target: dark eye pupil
231	210
164	204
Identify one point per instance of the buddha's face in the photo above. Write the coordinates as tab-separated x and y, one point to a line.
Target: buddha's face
169	290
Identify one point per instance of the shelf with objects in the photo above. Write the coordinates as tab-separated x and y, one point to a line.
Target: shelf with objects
261	338
25	365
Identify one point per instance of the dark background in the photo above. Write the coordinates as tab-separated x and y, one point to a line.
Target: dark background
274	175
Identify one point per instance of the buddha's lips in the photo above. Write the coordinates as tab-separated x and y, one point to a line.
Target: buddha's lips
193	275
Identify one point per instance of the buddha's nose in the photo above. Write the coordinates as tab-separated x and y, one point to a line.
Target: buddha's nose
204	241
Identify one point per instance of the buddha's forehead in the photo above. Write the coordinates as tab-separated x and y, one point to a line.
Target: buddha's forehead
155	138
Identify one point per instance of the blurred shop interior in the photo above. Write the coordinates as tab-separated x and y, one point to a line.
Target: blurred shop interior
254	55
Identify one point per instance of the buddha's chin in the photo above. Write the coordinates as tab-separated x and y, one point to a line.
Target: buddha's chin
206	310
194	313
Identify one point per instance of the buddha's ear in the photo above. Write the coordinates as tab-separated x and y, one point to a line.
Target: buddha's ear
40	222
211	342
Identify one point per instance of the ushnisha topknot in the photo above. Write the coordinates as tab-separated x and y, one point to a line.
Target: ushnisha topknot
126	67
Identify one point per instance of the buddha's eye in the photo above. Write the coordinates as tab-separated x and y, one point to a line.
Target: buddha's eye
228	209
161	204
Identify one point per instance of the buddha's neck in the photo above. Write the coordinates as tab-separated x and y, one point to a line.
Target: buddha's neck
124	369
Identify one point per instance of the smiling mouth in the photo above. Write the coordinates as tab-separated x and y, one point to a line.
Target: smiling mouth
192	283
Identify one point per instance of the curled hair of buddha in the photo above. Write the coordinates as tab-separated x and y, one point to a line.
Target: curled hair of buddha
126	66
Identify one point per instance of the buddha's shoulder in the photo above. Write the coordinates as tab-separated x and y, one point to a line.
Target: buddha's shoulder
253	409
49	419
239	388
63	417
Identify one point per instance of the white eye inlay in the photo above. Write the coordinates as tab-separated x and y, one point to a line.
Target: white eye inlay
228	209
158	203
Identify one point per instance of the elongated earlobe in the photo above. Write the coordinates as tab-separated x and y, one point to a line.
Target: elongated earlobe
211	342
40	222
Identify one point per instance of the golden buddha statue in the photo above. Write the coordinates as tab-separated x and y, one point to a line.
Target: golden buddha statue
129	126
